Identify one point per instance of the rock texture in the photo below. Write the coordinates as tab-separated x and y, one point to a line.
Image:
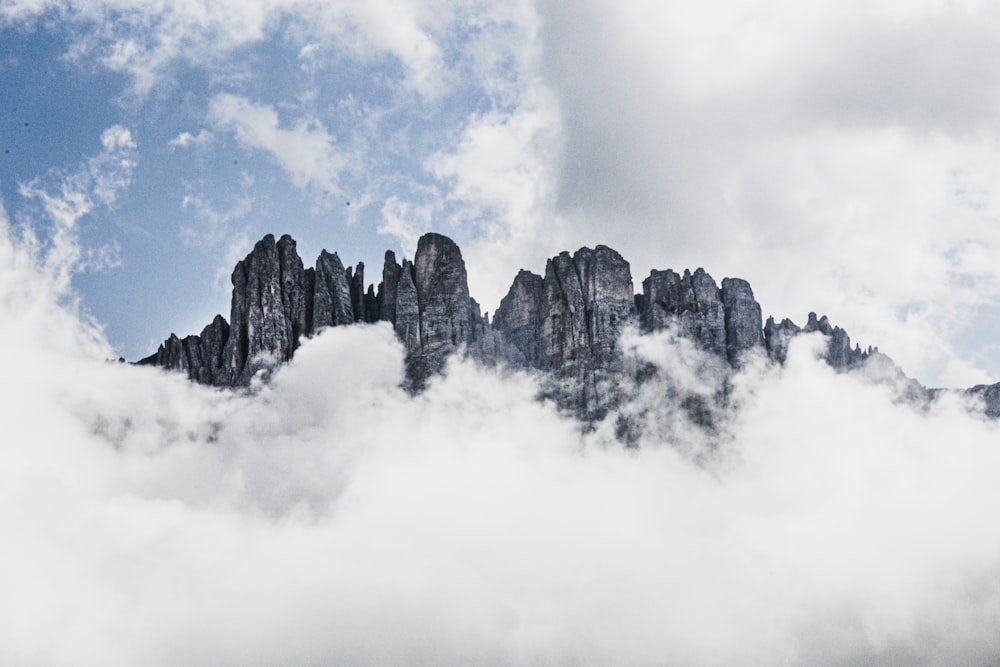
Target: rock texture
990	396
331	293
725	321
839	353
276	303
565	324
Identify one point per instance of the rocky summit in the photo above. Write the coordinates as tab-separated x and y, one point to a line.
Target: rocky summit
565	323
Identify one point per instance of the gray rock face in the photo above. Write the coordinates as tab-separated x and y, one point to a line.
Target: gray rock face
519	319
743	323
725	321
276	303
268	311
568	323
565	323
608	297
407	323
778	336
332	293
839	353
391	272
356	280
199	357
690	302
990	395
211	344
573	314
446	320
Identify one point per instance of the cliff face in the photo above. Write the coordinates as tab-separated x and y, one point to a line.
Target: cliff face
276	302
565	323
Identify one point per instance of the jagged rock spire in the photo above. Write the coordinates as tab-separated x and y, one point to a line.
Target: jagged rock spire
566	322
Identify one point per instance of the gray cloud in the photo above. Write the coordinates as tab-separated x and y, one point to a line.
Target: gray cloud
838	158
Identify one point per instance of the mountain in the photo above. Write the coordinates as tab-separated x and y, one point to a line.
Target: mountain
565	323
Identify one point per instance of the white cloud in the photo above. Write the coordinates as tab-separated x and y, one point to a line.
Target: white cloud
186	139
501	190
146	40
214	224
836	156
66	197
148	520
305	151
406	221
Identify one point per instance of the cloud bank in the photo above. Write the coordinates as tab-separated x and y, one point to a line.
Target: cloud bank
330	518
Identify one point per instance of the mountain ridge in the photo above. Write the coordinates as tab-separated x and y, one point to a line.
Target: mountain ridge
564	323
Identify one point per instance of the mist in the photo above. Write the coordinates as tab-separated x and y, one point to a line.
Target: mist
328	517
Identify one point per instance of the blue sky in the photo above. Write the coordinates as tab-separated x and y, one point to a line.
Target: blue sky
841	157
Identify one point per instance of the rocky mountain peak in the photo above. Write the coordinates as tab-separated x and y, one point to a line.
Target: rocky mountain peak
565	323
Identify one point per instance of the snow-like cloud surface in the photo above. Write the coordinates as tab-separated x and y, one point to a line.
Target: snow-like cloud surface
331	518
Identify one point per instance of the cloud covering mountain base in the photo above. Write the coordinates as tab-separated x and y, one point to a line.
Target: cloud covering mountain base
330	518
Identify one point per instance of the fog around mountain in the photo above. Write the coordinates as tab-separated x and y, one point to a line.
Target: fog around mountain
330	517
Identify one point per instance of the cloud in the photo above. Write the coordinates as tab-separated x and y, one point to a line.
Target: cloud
306	151
214	224
500	191
185	139
836	156
148	40
66	197
329	517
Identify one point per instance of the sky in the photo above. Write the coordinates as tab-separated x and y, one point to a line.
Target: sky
839	156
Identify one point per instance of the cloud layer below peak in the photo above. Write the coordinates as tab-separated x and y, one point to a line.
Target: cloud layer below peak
330	517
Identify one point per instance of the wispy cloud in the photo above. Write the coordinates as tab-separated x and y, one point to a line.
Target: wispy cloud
305	150
186	139
147	40
499	191
66	197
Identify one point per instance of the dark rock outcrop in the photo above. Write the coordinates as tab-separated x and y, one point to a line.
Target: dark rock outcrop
777	338
568	323
443	304
689	302
268	314
407	324
989	394
332	293
519	319
389	288
276	303
565	323
838	354
743	330
572	314
198	356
